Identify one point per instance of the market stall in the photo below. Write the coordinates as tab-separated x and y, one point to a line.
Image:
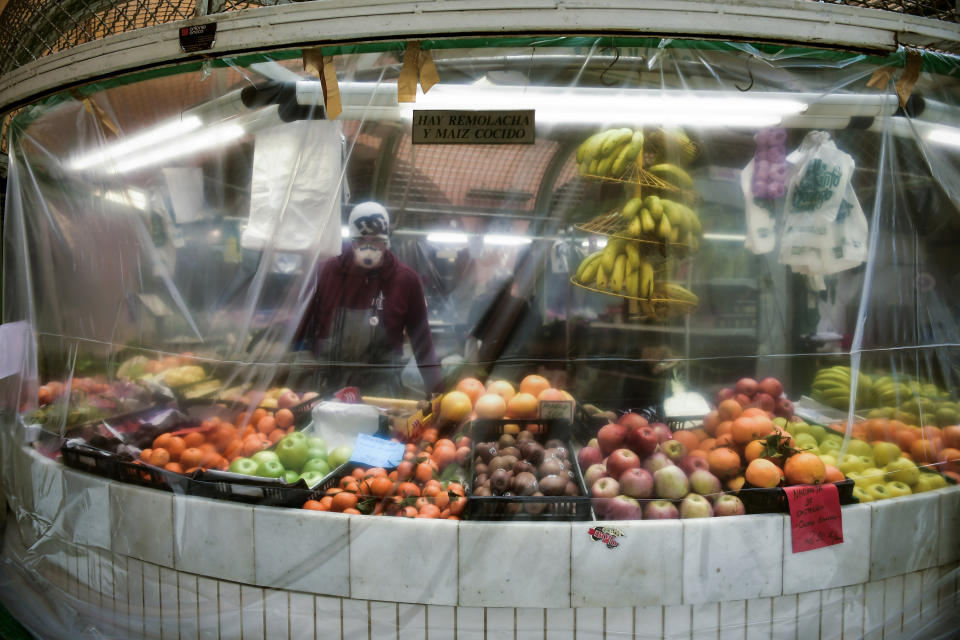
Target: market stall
545	336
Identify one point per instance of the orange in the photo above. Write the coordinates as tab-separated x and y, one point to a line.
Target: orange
534	385
160	457
145	455
353	511
458	504
699	453
729	409
724	428
191	457
472	387
404	470
381	487
443	456
707	444
879	429
700	434
276	435
232	450
724	462
284	418
211	459
725	441
251	444
763	473
408	490
710	422
523	405
257	415
313	505
175	445
804	468
444	442
736	483
745	429
344	500
949	454
424	471
375	472
161	440
833	474
437	496
930	432
194	439
429	435
753	450
687	439
173	466
456	488
409	512
754	412
429	511
266	424
904	438
925	451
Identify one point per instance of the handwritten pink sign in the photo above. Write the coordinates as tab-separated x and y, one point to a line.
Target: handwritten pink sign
815	518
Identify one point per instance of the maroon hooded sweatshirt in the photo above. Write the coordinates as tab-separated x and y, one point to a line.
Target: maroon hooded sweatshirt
341	281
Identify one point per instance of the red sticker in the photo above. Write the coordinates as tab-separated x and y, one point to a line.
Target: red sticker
349	395
815	518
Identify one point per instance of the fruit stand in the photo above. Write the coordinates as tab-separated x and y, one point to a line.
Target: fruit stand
687	300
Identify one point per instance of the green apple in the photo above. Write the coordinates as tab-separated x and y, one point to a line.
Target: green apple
850	463
924	483
829	447
869	476
339	456
903	470
828	459
270	469
292	452
861	495
316	452
312	478
818	432
879	491
290	476
897	489
885	452
859	447
316	465
804	441
299	436
780	421
246	466
265	455
799	427
939	481
868	461
316	442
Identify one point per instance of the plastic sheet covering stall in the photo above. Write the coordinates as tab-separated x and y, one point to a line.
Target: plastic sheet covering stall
219	370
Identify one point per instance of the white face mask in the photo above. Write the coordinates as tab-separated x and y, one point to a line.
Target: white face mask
367	256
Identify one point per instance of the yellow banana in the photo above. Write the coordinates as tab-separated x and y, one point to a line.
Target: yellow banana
619	273
601	277
633	284
633	256
631	208
590	147
673	174
665	228
645	288
614	139
634	229
585	264
647	222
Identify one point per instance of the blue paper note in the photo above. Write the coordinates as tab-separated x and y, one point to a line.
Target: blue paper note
377	452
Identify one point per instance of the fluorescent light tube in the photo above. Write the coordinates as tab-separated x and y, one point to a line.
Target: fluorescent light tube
110	153
949	136
725	237
447	237
211	138
499	240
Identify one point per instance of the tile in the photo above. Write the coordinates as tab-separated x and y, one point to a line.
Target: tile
276	613
947	591
251	612
928	596
378	572
873	610
135	599
142	523
912	592
636	572
383	620
328	618
169	605
759	616
499	623
108	586
538	558
283	538
120	590
783	623
831	614
230	619
705	621
208	613
892	607
189	606
412	622
677	621
588	623
83	576
559	624
949	525
355	616
896	549
470	623
720	556
853	611
441	622
617	623
85	517
838	565
94	575
808	614
648	622
302	614
214	538
733	619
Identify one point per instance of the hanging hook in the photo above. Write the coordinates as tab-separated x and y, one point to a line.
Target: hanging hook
750	73
616	57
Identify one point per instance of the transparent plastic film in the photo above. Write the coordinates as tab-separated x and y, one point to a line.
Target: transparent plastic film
596	337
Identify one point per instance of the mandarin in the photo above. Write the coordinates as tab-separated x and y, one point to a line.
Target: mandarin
763	473
724	462
804	468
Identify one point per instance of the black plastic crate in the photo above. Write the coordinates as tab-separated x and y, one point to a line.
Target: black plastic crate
764	500
83	457
560	508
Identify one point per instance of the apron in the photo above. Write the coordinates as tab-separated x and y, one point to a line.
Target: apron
359	352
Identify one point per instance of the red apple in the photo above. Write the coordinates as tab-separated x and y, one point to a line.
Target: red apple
674	449
689	464
623	508
632	421
636	483
656	461
287	399
602	491
746	386
771	386
621	460
783	408
670	483
663	431
743	400
704	483
660	510
728	505
610	437
724	394
765	401
643	441
589	456
593	473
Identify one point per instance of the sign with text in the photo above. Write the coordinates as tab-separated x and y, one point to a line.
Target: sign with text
473	127
815	518
198	37
349	395
556	410
377	452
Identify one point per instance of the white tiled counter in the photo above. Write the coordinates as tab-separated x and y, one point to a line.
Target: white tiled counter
144	563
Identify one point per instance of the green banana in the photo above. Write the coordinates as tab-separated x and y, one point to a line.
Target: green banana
590	147
676	292
647	223
655	205
614	139
635	229
633	256
631	208
603	167
673	174
665	228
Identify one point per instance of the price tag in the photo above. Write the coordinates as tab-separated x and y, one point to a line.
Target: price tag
350	395
556	410
377	452
815	517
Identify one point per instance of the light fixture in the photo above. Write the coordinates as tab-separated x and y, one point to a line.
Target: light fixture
110	153
130	197
501	240
447	237
211	138
949	136
725	237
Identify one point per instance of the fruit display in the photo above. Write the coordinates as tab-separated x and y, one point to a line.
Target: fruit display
296	456
471	399
609	153
767	394
896	397
140	367
85	399
428	483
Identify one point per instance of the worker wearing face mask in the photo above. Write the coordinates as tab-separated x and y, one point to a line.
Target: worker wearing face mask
364	302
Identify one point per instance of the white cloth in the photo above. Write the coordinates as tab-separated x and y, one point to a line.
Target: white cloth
295	188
